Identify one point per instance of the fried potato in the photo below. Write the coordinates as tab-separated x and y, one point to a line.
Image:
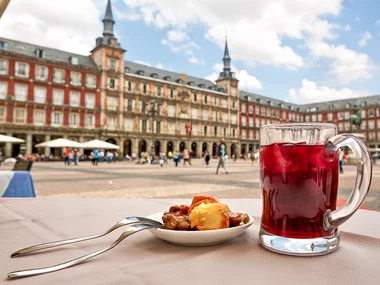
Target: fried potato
199	198
209	217
206	201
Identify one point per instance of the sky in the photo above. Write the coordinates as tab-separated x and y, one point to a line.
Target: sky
300	51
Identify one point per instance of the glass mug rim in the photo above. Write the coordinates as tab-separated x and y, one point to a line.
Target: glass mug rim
290	126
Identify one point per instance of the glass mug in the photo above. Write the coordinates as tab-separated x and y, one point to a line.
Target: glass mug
299	182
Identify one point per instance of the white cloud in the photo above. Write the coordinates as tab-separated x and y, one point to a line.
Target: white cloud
159	65
193	59
246	81
347	28
310	92
142	62
364	39
177	36
68	25
346	65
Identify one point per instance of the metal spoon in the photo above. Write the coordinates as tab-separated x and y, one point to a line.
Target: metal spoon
123	222
32	272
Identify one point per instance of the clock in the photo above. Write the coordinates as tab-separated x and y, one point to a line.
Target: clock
113	42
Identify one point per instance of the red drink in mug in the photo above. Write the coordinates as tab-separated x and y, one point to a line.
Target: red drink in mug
299	174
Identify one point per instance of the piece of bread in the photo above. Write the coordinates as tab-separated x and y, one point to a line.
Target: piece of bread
209	217
206	201
199	198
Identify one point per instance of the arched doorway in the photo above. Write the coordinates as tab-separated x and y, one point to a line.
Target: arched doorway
233	149
250	148
214	149
242	149
157	148
169	147
111	140
182	146
194	149
127	147
204	148
142	146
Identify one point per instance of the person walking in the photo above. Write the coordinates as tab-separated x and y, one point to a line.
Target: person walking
75	157
221	154
252	157
67	155
176	157
162	158
207	158
341	160
96	157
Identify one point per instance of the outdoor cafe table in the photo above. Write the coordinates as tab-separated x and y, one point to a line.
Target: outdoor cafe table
144	259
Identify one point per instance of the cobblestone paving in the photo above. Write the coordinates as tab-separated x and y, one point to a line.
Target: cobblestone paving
128	180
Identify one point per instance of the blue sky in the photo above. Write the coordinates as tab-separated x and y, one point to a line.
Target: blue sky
299	51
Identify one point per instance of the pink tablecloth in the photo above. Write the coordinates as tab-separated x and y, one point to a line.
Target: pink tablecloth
144	259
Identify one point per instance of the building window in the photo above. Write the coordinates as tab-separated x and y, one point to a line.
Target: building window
243	121
58	96
129	105
128	124
171	111
143	125
158	126
20	116
111	103
112	83
90	121
144	88
41	73
143	107
3	90
171	93
22	69
3	66
74	120
90	101
330	117
40	53
111	122
75	78
74	60
224	132
371	113
233	133
215	131
59	76
205	130
74	99
243	108
40	95
158	90
3	45
195	97
3	114
233	105
129	86
57	119
39	117
21	92
90	81
205	99
112	64
215	101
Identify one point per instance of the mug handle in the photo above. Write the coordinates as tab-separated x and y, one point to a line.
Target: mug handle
333	219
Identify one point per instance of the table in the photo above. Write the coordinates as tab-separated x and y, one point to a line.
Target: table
16	184
144	259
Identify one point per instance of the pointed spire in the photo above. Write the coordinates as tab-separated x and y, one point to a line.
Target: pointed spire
108	21
108	15
226	73
226	52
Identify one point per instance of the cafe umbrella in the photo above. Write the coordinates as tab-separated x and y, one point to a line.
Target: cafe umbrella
8	139
60	143
99	144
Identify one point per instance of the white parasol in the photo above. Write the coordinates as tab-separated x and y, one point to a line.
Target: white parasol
4	138
60	143
99	144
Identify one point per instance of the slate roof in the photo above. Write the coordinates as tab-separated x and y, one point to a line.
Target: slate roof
133	67
55	55
313	107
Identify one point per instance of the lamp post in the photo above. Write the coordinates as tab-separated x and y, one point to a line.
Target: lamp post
153	111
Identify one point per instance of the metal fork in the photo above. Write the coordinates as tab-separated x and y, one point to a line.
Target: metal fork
37	271
121	223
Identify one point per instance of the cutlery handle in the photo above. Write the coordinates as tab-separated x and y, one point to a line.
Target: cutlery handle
123	222
43	270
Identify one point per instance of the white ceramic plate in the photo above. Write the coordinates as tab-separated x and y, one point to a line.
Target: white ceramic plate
197	238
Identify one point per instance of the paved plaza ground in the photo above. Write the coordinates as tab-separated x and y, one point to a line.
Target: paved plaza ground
128	180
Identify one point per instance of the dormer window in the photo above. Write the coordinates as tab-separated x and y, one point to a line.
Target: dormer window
153	75
179	80
202	85
191	83
364	103
167	78
259	100
3	45
281	105
140	72
74	60
348	105
270	103
248	98
127	69
211	87
40	53
221	89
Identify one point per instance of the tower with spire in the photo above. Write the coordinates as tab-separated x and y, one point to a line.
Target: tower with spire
109	57
226	73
